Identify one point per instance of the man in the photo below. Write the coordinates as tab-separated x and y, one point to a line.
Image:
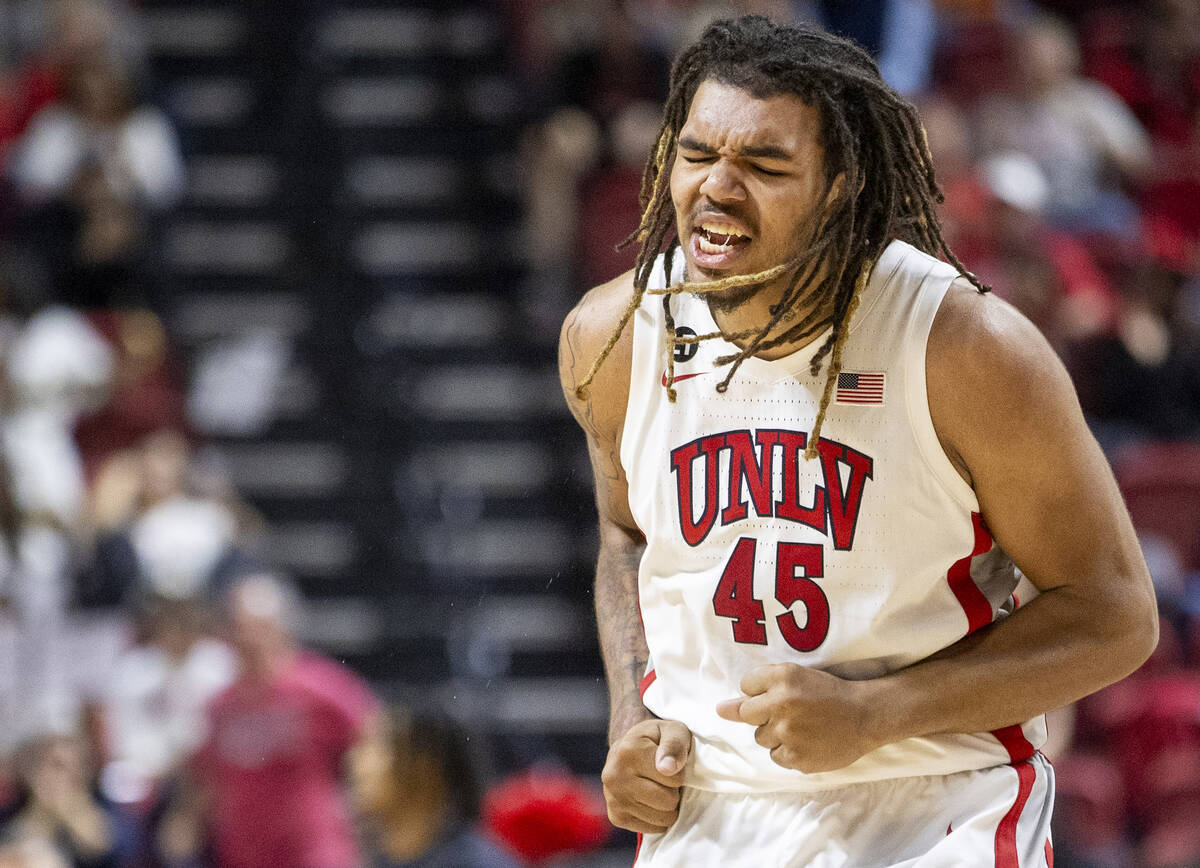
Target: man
266	787
818	453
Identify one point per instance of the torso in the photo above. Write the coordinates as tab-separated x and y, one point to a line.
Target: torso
860	562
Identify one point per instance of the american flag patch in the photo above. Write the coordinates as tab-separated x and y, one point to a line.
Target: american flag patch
856	387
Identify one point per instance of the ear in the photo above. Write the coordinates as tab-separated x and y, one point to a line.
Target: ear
838	185
835	189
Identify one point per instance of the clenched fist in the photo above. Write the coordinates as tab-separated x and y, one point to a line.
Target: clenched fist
643	774
809	720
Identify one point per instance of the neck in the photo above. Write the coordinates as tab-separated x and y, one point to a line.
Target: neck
416	832
752	313
262	668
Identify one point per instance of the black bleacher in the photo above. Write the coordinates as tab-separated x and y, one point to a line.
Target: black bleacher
353	193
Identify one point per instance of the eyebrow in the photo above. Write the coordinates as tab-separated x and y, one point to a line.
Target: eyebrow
766	152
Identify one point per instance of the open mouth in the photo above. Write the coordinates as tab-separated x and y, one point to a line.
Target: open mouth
716	238
717	245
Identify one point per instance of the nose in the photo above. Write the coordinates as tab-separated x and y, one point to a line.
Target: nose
723	183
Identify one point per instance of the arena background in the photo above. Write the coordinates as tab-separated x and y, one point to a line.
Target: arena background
332	256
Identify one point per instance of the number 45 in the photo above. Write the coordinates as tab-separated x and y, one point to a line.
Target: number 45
796	565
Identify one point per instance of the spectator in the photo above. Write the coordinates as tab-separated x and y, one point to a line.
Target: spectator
265	787
160	528
57	811
72	28
1144	380
1075	129
154	710
145	396
608	197
417	788
963	214
56	366
1049	275
91	168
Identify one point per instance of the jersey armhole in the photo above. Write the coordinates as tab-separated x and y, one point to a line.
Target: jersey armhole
917	394
646	324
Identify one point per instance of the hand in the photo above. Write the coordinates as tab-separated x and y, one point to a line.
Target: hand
809	720
56	792
643	774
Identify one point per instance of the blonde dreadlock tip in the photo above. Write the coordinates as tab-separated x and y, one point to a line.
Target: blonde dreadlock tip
671	395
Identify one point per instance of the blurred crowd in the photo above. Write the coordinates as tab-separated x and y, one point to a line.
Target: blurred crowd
1066	138
156	705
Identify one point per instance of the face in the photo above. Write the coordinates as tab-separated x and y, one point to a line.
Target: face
748	180
256	628
370	767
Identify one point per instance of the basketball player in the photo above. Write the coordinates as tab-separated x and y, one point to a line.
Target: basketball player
823	457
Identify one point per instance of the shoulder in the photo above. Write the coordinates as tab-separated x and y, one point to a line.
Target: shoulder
585	334
992	377
983	338
333	688
323	675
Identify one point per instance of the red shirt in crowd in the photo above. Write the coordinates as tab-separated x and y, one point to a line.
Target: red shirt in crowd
273	767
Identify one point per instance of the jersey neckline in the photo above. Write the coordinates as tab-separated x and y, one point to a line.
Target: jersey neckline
795	365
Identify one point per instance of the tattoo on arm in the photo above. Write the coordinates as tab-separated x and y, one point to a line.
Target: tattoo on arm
618	618
606	462
622	641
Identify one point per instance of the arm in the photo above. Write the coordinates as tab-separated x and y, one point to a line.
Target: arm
1007	417
601	414
180	836
646	755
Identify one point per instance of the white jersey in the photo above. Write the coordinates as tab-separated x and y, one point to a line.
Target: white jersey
862	561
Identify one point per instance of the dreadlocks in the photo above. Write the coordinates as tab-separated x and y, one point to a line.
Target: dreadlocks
873	142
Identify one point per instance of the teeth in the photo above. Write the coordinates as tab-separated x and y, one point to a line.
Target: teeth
708	247
720	229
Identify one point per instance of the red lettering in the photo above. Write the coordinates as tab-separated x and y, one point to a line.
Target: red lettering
809	560
788	506
734	597
844	503
682	458
754	468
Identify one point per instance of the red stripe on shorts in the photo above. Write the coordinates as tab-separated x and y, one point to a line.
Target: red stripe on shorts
1014	741
976	606
1049	854
647	680
1006	832
638	851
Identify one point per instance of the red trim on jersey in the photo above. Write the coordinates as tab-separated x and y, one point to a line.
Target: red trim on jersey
647	680
1006	832
638	851
975	605
1049	854
1014	741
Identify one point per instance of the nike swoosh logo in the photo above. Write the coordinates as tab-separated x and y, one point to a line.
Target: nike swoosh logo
679	378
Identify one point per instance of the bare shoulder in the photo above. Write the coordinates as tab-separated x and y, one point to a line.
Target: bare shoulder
993	379
585	333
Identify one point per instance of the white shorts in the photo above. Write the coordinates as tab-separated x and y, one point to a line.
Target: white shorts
998	817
